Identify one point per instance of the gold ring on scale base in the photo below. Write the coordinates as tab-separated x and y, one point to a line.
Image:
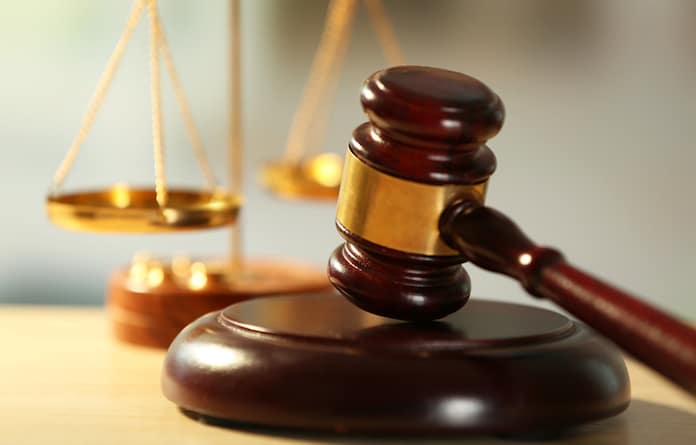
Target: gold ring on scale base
151	300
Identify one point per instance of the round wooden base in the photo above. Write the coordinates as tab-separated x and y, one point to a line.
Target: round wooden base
318	362
153	314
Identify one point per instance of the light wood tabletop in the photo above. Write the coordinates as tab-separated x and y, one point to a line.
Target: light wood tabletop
65	380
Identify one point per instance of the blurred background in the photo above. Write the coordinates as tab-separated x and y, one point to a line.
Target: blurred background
596	156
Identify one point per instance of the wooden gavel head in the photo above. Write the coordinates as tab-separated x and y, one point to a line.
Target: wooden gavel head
423	148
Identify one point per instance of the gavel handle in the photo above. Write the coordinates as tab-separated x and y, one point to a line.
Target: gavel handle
492	241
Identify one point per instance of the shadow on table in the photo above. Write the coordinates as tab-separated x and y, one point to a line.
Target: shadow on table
644	422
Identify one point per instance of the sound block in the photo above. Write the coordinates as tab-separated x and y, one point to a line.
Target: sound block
317	362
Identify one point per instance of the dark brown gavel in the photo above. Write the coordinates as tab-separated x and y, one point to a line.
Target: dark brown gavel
411	212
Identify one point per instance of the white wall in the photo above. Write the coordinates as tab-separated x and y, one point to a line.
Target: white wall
596	156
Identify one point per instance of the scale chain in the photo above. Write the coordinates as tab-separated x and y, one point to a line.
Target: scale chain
339	17
156	99
385	32
158	44
322	113
185	109
392	52
97	98
326	65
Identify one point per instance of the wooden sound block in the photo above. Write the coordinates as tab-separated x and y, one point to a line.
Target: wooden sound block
317	362
152	315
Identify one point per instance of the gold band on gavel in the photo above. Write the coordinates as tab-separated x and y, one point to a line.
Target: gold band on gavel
396	213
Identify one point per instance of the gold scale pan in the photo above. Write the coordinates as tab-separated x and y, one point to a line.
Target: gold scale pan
317	177
120	208
136	210
151	300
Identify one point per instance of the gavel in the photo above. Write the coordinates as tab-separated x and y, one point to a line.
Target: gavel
411	211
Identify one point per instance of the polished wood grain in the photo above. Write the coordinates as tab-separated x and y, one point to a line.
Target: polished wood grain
491	240
65	379
386	282
428	125
316	361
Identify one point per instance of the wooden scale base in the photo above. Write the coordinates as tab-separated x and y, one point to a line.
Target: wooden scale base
317	362
152	314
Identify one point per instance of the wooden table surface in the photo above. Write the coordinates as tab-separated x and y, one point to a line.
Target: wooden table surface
64	380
